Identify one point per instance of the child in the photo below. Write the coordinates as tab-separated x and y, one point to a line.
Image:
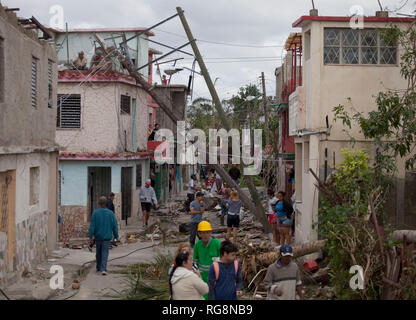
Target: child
233	215
272	215
225	281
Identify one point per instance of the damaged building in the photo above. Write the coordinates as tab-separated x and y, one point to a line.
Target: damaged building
28	153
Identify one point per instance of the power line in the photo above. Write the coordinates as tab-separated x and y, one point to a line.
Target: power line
225	43
244	61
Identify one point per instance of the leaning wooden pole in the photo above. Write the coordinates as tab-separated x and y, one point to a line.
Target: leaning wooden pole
256	208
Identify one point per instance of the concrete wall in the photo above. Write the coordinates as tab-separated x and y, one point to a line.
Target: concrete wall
102	124
36	229
23	129
19	46
175	98
326	86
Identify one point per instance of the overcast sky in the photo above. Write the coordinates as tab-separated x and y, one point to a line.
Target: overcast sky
249	34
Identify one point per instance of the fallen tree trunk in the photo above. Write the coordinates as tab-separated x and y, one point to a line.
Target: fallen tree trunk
410	235
298	251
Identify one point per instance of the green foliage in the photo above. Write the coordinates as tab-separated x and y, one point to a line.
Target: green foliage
148	282
350	238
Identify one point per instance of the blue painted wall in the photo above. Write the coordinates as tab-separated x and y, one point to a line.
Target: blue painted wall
74	178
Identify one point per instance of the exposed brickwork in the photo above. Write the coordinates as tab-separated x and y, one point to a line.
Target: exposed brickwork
74	222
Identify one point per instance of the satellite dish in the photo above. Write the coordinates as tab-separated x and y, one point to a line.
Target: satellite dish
172	70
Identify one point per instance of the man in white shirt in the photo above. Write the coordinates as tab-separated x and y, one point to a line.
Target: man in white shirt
192	189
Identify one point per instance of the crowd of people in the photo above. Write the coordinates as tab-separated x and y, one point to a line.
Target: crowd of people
208	269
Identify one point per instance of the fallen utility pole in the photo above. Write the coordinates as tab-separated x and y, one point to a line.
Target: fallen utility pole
256	208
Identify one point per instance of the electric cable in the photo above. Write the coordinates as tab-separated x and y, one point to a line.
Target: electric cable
85	263
4	294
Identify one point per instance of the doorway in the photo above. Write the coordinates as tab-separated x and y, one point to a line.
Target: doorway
99	184
7	214
126	189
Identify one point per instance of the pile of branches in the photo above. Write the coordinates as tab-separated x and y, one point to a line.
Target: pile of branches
388	265
255	258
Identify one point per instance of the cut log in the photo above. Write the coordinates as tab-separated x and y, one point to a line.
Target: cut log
268	258
410	235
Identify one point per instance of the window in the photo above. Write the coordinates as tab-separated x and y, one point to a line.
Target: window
50	65
34	185
34	80
139	175
125	104
69	111
364	47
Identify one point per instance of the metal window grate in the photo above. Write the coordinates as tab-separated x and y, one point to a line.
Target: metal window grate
125	104
34	81
69	111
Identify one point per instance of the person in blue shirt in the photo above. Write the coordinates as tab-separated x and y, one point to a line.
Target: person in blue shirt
225	280
284	212
103	227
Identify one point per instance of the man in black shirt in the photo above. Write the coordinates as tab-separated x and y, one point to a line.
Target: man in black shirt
235	173
152	135
110	203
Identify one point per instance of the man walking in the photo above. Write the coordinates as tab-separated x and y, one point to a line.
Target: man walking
147	196
192	188
197	209
103	227
282	279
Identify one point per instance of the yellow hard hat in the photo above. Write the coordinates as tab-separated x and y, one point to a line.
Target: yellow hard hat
204	226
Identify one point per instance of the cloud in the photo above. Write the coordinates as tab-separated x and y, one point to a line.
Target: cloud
261	23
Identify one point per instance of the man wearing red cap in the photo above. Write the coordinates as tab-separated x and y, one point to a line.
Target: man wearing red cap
147	196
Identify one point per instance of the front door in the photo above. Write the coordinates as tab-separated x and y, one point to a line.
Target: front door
99	184
7	214
126	189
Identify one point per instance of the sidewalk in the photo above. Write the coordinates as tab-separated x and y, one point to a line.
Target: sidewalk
92	286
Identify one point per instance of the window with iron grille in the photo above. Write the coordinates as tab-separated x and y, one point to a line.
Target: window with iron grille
34	80
139	175
69	111
360	47
50	65
125	104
